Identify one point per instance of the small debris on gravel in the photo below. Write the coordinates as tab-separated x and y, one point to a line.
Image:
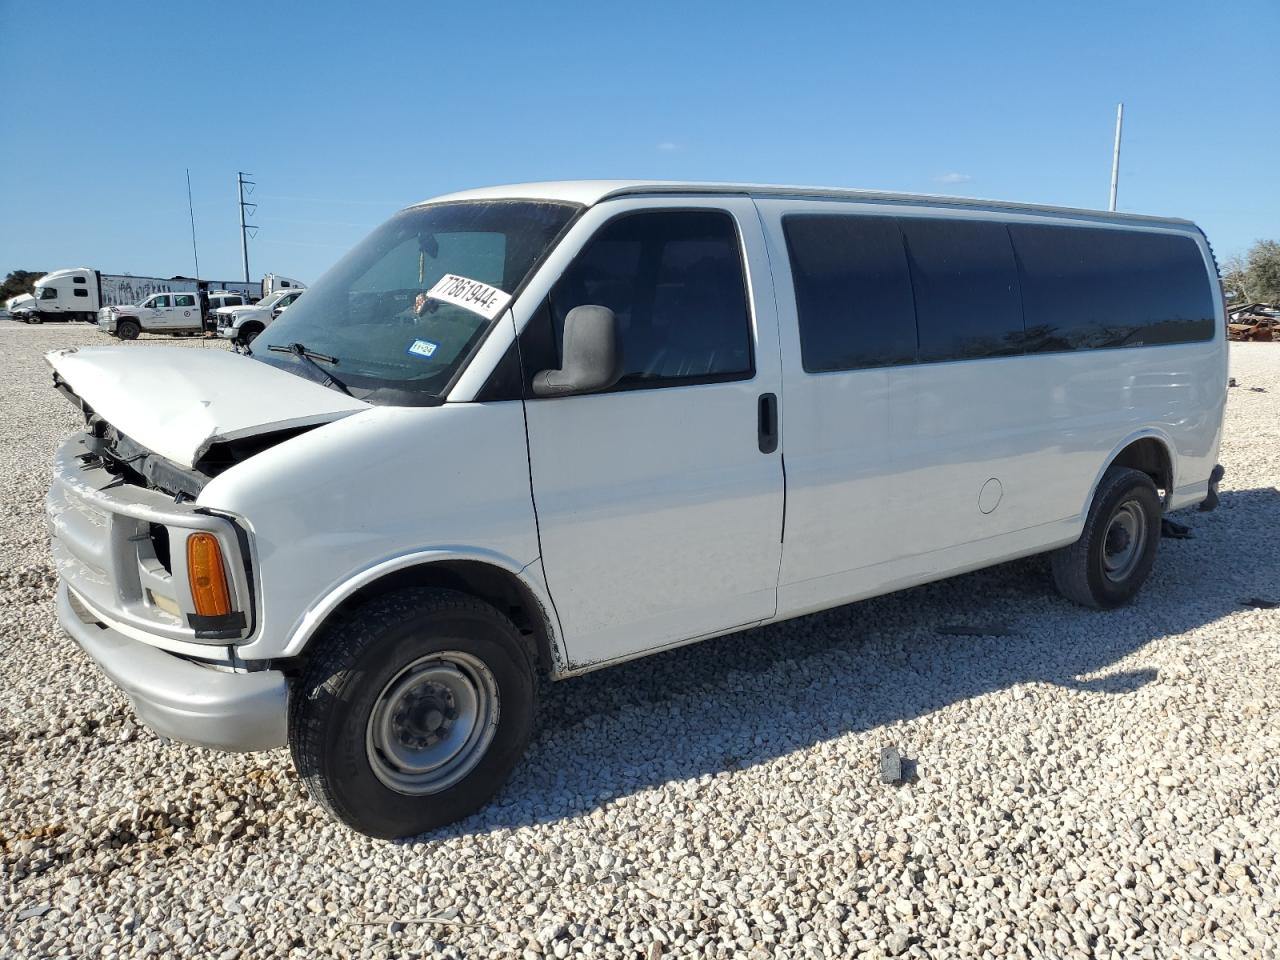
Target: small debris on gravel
890	765
976	630
1260	603
1103	785
1173	530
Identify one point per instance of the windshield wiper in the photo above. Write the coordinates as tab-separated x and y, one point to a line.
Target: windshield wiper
310	356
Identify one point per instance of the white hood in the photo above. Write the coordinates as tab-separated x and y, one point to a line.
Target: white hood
177	402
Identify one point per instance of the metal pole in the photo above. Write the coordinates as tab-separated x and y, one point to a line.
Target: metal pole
244	238
192	211
1115	157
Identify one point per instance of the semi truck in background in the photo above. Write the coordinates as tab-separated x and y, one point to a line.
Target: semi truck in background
80	293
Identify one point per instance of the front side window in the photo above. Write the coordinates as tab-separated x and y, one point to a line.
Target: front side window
184	300
675	281
48	293
160	301
398	328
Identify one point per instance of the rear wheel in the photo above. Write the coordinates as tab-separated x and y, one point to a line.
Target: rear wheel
412	711
128	330
1115	553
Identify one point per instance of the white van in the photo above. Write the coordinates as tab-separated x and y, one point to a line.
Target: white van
541	429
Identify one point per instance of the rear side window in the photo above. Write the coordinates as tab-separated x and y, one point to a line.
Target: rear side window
80	293
1091	288
965	281
184	300
79	280
675	281
853	292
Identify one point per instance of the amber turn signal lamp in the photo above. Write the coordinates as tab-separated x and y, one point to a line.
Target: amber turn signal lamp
207	575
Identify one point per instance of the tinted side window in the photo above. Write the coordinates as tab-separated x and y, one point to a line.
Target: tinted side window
80	293
184	300
966	289
1087	288
853	292
79	280
675	281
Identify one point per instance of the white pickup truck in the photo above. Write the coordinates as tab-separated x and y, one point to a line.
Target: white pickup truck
158	313
243	323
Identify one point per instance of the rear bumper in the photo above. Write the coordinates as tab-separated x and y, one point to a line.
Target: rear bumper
179	698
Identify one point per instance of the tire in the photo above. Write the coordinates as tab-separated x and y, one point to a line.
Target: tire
248	335
1112	559
354	713
128	330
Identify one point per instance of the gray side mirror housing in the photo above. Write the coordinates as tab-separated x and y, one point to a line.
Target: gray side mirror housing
592	355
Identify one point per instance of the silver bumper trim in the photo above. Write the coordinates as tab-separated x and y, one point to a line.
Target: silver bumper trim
184	700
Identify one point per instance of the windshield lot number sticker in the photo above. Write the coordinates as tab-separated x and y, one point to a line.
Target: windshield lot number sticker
422	348
470	295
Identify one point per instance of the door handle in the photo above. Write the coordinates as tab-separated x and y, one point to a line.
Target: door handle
767	424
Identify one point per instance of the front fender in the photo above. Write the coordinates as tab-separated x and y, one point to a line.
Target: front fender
529	575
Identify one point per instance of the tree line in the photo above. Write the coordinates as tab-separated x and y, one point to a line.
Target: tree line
1255	276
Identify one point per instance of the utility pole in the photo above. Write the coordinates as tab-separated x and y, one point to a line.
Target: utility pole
192	211
1115	157
241	183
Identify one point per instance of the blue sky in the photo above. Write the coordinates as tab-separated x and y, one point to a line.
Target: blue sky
346	113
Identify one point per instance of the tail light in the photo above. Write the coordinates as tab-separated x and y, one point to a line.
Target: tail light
207	576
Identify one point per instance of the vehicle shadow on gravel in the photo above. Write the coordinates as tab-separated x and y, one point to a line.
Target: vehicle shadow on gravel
748	698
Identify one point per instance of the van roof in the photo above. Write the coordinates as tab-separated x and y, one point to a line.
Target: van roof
591	192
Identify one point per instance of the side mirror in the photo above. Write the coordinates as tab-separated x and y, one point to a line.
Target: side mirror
592	355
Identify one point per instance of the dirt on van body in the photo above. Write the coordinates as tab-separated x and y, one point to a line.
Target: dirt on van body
1070	783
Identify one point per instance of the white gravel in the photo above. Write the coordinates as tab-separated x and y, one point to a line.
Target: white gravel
1093	785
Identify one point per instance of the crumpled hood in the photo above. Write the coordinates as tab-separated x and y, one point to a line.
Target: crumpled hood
177	402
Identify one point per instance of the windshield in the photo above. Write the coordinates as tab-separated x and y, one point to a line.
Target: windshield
396	339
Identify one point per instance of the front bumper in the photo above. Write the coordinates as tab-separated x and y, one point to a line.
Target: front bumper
228	333
179	698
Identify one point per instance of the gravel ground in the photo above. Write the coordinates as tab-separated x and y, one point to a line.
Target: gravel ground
1087	785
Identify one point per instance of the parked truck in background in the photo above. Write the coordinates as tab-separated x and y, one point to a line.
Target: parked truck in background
82	293
79	293
243	324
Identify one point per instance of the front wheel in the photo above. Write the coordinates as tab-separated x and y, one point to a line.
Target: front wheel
412	711
1115	553
127	330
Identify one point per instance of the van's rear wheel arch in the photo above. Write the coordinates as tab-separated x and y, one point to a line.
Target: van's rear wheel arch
1151	456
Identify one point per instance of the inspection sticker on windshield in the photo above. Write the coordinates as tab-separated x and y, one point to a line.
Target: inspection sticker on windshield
422	348
470	294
